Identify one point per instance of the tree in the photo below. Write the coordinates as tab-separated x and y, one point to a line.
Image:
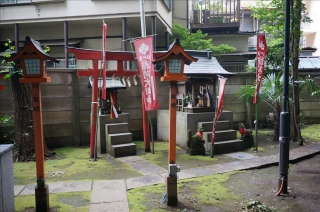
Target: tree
271	93
271	15
198	40
22	107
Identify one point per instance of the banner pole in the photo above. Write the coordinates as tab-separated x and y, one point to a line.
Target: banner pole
257	99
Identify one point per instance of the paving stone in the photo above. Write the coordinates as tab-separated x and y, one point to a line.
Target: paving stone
241	155
145	167
271	158
109	207
258	161
218	168
18	189
144	181
63	187
199	171
130	158
109	191
237	165
28	190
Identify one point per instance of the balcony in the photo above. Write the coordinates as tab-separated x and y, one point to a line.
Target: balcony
14	2
19	2
215	15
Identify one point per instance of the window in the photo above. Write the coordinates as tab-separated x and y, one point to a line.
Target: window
233	66
167	3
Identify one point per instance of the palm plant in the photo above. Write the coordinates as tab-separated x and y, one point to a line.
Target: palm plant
271	93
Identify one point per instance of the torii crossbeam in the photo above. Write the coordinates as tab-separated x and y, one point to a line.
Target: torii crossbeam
120	57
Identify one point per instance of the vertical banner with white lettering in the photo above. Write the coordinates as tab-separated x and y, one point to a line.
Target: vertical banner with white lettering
144	56
222	83
262	50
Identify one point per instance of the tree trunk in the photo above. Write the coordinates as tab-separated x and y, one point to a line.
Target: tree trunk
295	132
22	105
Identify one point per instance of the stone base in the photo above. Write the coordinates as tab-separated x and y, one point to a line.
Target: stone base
247	145
172	191
200	151
42	199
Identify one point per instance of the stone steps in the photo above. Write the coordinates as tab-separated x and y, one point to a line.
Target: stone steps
225	140
117	138
221	125
121	150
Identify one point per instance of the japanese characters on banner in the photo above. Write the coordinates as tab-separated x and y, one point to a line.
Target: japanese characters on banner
222	83
144	56
113	110
262	50
104	47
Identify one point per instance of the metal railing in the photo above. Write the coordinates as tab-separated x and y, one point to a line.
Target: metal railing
234	66
215	11
12	2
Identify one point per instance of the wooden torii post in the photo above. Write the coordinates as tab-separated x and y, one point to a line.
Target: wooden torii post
1	86
120	57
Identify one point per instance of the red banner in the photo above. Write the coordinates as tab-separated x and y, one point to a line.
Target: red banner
222	83
262	50
144	57
104	48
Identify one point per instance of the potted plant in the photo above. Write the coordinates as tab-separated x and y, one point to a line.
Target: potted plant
188	99
119	105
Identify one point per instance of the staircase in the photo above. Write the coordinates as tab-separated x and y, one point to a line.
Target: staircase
225	137
114	136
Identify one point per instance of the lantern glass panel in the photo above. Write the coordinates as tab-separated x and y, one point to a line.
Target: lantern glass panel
32	66
175	66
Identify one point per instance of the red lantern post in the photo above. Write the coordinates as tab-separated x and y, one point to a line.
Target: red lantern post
33	63
174	61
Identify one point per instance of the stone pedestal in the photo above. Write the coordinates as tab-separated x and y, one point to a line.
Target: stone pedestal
42	198
172	192
6	178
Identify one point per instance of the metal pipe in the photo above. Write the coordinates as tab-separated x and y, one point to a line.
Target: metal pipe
66	57
16	37
153	28
142	19
284	116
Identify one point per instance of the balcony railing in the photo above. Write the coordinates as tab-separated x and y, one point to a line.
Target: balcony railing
10	2
215	12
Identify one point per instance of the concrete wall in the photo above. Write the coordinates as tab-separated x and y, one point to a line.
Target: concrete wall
67	104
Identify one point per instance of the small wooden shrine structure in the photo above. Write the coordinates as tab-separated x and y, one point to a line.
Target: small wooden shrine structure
112	86
201	85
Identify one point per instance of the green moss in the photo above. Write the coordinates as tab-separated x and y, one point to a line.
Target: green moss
155	158
209	189
204	190
197	157
158	145
260	149
138	198
311	131
74	201
71	163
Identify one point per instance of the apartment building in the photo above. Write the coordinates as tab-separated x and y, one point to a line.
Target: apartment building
60	23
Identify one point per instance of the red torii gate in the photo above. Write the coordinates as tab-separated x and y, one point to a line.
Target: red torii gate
1	86
120	57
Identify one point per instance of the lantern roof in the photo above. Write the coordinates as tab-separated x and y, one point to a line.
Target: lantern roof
176	49
32	47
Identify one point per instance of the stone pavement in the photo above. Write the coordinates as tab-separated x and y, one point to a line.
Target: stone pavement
115	199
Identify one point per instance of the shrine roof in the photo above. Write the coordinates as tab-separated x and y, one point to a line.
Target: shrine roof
110	83
206	66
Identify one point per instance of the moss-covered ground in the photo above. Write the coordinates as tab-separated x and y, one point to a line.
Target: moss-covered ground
64	202
73	163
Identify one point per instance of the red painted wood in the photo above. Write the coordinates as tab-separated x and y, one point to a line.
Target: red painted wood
94	107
